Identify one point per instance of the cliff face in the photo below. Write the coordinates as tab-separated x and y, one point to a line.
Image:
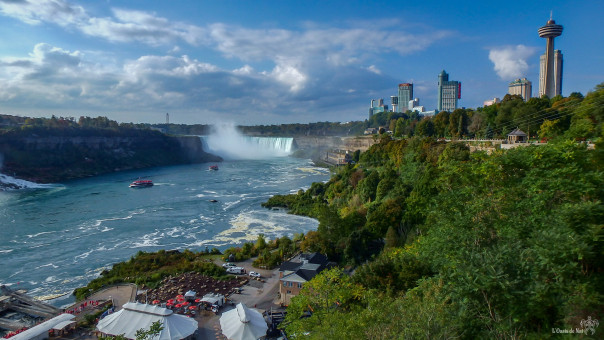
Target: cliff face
58	158
327	143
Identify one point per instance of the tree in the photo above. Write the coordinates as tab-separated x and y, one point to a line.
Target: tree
550	129
392	237
478	124
425	128
328	293
260	243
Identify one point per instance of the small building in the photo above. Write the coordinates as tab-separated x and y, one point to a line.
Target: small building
338	157
517	136
293	274
490	102
370	131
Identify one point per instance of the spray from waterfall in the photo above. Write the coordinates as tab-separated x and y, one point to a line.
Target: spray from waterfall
227	142
11	183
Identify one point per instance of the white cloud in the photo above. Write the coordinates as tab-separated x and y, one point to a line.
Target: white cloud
289	75
34	12
374	69
510	61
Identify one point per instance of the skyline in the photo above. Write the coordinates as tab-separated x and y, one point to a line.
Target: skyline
276	62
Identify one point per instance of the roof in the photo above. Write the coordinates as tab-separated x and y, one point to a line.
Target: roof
315	258
134	316
301	275
289	266
43	328
517	132
243	323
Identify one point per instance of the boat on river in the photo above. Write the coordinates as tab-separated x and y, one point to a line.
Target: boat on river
213	167
141	183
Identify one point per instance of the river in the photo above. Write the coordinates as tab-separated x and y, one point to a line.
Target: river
54	238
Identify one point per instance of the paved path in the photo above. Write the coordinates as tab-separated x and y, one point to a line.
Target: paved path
119	294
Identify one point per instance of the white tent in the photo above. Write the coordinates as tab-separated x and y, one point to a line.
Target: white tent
243	323
134	316
41	331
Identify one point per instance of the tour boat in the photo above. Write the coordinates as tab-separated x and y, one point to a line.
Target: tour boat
141	183
213	167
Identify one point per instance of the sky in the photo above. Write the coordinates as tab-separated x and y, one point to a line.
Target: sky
274	62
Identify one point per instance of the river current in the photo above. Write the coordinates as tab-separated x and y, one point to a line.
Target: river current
54	238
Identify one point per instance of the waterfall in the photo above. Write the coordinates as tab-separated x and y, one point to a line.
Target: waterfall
228	143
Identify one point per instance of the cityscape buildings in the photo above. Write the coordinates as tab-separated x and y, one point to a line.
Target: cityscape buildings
550	77
521	87
405	94
377	106
448	92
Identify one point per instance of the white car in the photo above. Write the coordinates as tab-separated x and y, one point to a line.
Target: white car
254	274
227	265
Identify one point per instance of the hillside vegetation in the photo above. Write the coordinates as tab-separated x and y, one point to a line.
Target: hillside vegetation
445	243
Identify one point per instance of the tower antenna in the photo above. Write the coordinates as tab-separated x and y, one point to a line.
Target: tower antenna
551	14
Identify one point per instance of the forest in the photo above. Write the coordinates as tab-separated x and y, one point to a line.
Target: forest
435	241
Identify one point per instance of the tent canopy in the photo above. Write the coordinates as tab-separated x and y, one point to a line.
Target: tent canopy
41	330
134	316
243	323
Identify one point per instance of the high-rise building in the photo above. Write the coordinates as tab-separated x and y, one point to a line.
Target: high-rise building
448	92
405	94
550	77
521	87
377	106
394	103
557	73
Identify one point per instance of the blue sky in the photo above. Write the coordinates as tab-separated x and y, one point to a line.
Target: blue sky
272	62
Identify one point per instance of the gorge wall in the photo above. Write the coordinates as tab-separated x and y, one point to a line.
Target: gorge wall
54	158
342	143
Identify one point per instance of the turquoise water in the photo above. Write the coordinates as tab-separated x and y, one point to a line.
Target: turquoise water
56	238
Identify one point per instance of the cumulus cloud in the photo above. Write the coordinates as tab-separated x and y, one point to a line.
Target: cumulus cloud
510	61
292	71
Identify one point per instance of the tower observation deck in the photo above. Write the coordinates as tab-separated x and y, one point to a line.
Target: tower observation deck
549	32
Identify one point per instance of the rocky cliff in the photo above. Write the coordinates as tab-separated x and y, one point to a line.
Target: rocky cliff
327	143
54	157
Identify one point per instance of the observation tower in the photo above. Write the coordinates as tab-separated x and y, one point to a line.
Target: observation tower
549	32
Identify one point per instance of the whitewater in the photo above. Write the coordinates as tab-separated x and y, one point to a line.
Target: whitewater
54	238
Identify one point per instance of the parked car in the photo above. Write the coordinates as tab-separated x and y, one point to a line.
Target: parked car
235	270
254	274
228	264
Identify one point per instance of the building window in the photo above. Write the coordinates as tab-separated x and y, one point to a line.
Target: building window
289	292
299	284
284	284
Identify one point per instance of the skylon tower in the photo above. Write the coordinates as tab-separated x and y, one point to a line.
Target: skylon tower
550	83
